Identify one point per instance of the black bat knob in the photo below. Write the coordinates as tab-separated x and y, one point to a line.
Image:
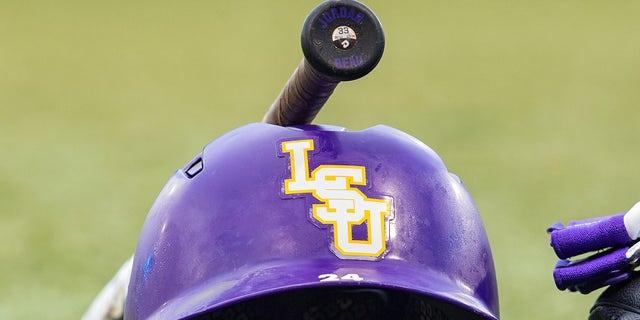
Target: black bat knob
342	39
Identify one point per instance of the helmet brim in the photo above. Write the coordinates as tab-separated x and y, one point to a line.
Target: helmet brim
281	276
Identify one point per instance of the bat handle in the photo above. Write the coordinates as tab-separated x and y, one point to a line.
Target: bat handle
301	98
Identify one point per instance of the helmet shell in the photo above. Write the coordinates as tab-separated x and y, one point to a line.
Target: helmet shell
265	209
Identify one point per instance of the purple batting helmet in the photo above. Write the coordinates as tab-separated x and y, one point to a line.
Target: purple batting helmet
313	222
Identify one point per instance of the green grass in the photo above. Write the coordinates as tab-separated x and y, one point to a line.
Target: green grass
533	104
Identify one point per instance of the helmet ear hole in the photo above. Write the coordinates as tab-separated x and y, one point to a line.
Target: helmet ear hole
194	167
340	303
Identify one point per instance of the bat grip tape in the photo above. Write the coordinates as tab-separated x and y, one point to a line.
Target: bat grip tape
302	97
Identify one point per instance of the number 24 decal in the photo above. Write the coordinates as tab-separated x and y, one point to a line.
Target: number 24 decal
335	277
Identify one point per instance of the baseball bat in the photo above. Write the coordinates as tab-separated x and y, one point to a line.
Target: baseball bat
342	40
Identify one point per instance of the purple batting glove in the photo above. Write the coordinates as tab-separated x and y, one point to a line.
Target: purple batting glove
597	271
613	234
592	235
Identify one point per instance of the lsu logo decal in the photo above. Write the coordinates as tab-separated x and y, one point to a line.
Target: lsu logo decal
341	204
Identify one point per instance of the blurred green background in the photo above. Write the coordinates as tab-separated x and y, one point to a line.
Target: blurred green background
532	103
